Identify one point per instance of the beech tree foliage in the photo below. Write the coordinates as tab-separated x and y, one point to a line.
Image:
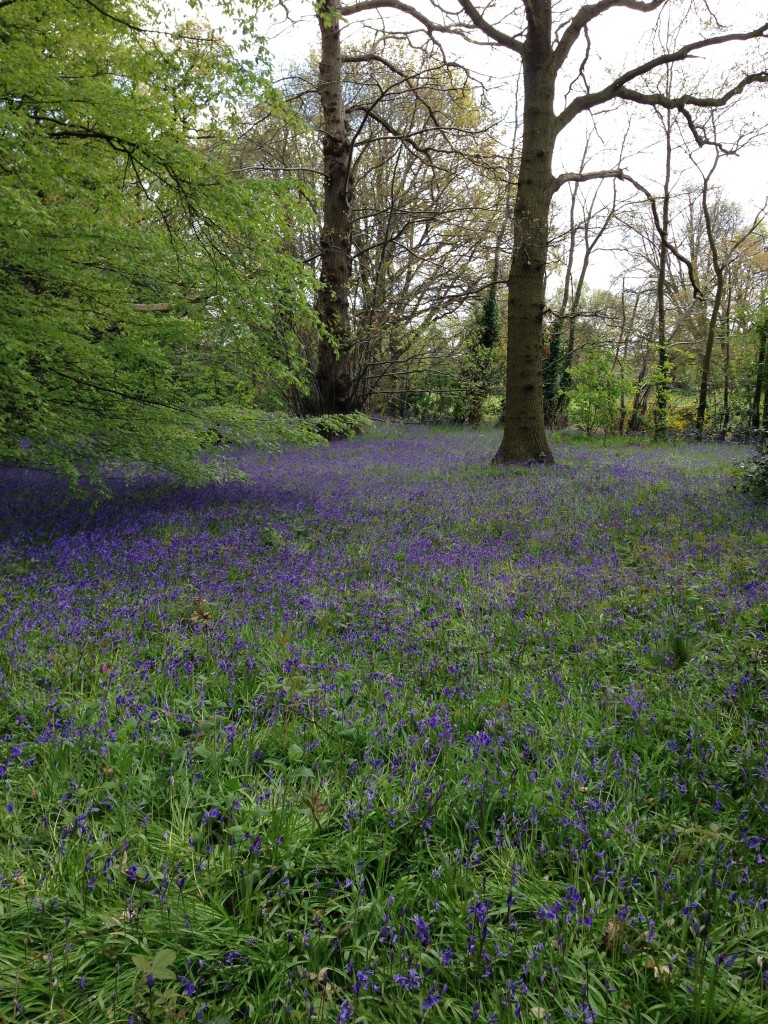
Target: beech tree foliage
146	296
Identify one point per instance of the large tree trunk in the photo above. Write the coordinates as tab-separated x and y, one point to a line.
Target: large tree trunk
335	371
524	437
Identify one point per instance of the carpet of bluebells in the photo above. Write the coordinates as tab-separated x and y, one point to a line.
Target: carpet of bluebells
386	733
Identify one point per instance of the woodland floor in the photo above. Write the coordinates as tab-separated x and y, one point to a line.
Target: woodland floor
386	733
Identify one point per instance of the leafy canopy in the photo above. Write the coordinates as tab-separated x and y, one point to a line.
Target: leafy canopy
147	295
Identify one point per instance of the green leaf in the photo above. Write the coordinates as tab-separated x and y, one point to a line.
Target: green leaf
295	753
161	963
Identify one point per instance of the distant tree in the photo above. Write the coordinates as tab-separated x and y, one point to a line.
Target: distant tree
723	253
477	365
424	214
545	36
589	218
596	393
760	386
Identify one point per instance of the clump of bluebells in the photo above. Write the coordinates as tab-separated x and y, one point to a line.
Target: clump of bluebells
385	732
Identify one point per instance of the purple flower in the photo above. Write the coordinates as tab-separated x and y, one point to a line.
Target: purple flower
187	986
422	931
410	981
345	1013
433	998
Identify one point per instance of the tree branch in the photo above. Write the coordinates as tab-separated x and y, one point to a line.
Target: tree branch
502	38
616	89
588	13
130	396
688	100
113	17
374	5
622	175
162	307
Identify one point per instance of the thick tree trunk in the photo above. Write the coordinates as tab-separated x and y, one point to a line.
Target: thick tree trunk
524	437
335	371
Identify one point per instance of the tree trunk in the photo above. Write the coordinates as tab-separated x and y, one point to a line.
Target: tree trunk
761	354
662	385
524	437
706	365
335	376
726	348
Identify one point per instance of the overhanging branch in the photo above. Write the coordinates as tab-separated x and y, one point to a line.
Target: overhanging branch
617	88
588	13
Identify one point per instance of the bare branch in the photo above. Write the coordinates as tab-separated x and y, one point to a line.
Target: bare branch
502	38
622	175
617	88
680	103
375	5
588	13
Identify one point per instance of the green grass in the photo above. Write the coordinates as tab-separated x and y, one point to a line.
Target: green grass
388	734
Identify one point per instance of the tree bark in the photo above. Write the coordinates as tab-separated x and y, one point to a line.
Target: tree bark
524	437
761	354
662	385
335	371
726	349
717	301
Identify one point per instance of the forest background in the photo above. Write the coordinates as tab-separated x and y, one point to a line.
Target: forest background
197	252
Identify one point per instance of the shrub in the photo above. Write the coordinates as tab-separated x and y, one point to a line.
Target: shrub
338	427
756	472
